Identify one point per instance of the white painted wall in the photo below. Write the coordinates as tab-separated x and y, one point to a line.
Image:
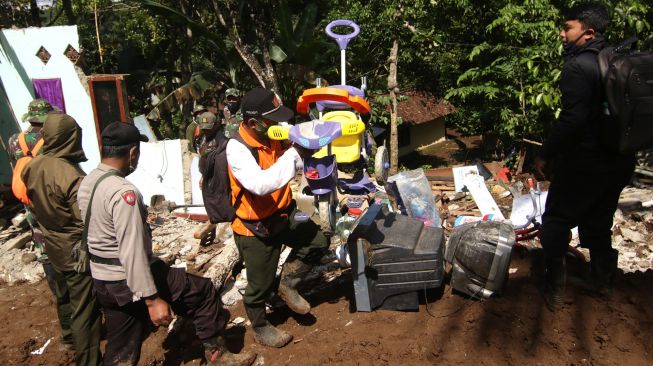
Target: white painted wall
160	171
18	53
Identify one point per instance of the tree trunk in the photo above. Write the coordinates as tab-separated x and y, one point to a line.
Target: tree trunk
265	74
68	9
219	268
186	66
392	88
34	13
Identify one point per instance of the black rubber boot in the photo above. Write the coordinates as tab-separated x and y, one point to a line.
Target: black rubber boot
555	281
216	353
291	274
604	267
264	332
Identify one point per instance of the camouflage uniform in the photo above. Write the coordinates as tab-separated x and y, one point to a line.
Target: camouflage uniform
193	132
37	112
230	120
210	137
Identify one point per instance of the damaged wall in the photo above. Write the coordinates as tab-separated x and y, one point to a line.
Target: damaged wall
20	64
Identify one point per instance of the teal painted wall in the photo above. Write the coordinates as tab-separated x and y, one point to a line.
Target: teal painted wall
8	126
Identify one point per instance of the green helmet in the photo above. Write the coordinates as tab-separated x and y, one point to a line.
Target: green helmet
198	109
37	111
232	92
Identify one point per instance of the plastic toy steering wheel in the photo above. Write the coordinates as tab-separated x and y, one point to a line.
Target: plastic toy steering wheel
342	39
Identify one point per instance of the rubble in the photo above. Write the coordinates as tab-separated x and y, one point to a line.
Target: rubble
632	231
18	242
13	270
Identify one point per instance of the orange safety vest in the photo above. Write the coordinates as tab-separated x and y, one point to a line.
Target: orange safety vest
17	185
253	207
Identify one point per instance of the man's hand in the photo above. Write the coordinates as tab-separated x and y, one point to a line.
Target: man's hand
540	165
303	152
159	310
201	182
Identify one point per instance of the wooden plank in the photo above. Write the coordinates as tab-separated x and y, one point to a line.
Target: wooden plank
442	188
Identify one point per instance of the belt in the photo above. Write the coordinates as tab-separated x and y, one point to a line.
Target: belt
101	260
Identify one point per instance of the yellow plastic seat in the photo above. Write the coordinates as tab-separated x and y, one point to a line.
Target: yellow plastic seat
348	147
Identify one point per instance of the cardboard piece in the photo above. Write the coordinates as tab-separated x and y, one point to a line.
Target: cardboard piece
460	173
476	186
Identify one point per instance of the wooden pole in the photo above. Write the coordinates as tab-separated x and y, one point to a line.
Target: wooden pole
392	86
97	32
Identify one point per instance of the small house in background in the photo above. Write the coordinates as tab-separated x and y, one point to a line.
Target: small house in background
423	121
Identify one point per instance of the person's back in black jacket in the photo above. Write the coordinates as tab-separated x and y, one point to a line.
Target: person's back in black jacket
587	178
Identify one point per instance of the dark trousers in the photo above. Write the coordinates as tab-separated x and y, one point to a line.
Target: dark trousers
77	305
64	311
261	256
128	322
583	197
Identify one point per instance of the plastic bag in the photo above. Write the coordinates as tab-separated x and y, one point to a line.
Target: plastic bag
413	194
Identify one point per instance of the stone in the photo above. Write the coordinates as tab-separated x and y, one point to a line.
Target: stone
28	258
642	251
632	235
20	220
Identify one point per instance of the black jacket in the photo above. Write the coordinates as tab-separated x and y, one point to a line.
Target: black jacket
575	138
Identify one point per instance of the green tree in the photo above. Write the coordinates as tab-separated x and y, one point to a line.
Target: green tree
510	86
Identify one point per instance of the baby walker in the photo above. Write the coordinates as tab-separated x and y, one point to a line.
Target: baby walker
338	135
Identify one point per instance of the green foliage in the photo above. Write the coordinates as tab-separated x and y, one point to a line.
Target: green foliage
498	62
510	86
512	89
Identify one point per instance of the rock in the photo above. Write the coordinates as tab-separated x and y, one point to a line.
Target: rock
231	296
618	240
618	217
643	264
18	242
20	220
28	258
642	251
632	235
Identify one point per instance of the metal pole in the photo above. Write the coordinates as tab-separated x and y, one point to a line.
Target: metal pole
343	67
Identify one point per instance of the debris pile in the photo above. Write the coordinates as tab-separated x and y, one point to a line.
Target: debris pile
633	230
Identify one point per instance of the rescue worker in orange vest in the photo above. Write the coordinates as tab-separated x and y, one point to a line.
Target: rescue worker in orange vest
265	214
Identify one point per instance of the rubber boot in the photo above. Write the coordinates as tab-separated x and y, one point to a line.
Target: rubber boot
555	281
604	269
264	332
291	274
216	353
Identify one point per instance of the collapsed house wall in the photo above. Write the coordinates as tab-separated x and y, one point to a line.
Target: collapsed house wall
32	54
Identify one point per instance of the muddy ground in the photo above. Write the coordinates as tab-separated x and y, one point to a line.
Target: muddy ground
515	329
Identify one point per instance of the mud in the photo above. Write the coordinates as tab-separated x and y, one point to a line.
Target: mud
449	329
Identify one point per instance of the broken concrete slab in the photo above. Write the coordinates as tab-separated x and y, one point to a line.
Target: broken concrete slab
18	242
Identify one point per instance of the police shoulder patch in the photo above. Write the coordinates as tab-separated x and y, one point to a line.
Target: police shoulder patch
129	197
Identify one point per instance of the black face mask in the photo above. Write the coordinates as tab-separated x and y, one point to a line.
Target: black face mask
232	106
569	47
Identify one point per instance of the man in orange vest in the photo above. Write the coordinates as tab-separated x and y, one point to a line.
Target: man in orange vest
260	171
23	144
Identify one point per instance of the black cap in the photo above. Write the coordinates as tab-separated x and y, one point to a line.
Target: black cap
121	134
264	103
